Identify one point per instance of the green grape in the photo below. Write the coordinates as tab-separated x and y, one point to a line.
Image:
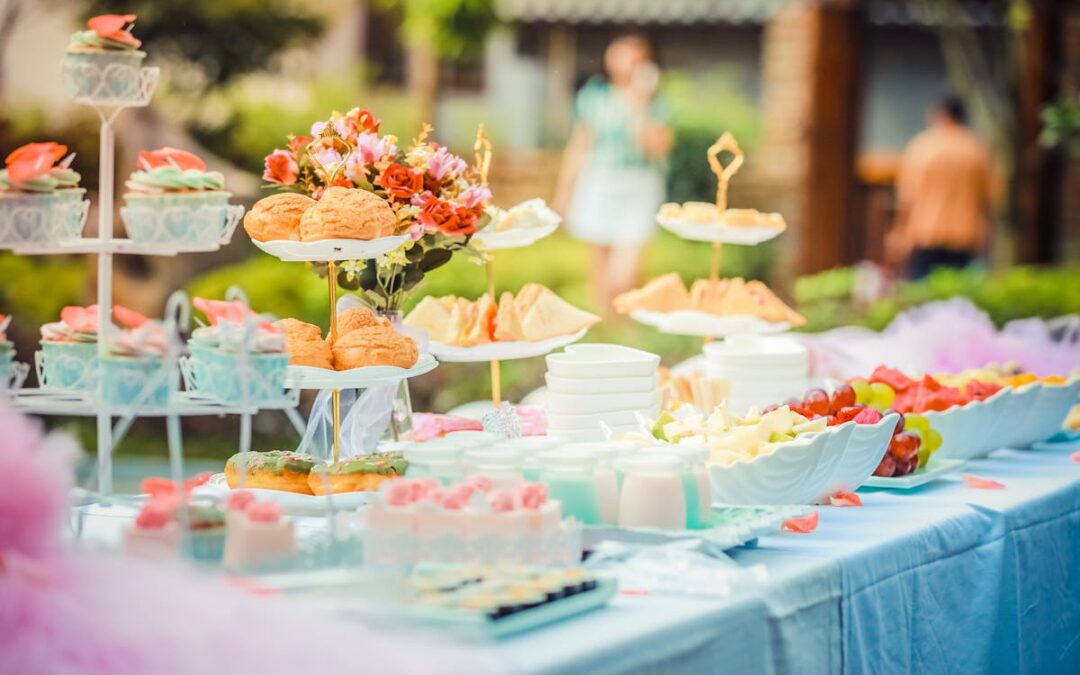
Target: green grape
932	440
863	393
919	422
924	455
883	395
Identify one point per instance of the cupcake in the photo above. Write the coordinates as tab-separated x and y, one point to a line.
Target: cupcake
171	197
69	352
156	532
40	197
219	350
135	373
102	64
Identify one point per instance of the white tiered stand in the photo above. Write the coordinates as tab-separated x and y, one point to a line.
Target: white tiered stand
55	401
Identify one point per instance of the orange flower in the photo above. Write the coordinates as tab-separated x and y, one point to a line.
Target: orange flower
298	143
280	167
33	160
400	181
115	28
442	216
181	159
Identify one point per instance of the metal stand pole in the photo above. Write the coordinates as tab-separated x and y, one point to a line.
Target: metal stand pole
331	276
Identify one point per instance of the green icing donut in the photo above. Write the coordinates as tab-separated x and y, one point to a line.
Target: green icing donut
274	461
383	463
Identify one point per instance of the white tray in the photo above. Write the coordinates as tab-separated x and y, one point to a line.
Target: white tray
330	249
308	377
291	502
502	351
713	232
703	324
934	469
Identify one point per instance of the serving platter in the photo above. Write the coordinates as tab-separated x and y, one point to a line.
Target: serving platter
309	377
717	233
330	249
502	351
703	324
291	503
934	469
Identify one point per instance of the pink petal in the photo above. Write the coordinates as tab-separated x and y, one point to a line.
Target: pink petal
128	318
982	483
803	524
80	319
845	499
1075	456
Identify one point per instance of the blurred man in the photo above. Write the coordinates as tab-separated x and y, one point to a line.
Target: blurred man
944	189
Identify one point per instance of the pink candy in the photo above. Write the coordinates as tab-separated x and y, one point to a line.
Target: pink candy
503	501
155	514
533	495
400	492
481	483
239	500
264	512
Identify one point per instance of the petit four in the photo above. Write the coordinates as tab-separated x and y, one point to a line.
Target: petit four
40	197
156	532
103	62
256	535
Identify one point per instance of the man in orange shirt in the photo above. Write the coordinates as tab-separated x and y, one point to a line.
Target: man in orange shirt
945	189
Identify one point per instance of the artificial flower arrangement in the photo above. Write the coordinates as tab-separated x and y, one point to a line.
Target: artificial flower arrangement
436	197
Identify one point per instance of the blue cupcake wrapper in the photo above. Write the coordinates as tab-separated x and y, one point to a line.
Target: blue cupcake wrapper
39	218
136	381
216	373
103	75
69	365
188	217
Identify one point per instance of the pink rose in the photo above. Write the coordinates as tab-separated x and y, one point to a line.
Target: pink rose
503	501
443	163
281	168
533	495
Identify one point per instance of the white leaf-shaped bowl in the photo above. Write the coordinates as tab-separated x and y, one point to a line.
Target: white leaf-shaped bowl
865	448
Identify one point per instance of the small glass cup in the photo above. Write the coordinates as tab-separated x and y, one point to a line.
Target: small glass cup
501	465
695	482
571	480
652	492
435	459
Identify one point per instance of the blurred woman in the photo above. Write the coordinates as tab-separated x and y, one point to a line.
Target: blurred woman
611	182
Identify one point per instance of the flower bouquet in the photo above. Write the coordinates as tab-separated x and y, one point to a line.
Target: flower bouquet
436	197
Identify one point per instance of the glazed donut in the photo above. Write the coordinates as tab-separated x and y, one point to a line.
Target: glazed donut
272	470
357	474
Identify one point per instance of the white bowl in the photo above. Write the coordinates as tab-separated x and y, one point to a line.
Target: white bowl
770	351
865	448
1015	409
997	413
1047	413
837	439
778	478
614	385
583	404
961	429
558	423
602	361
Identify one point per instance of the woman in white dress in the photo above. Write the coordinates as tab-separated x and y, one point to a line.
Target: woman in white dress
612	182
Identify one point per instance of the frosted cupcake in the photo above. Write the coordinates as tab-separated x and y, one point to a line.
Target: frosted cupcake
218	352
40	197
135	373
171	197
68	358
102	63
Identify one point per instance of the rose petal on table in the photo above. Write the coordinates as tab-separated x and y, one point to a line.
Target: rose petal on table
845	499
1075	456
802	524
979	483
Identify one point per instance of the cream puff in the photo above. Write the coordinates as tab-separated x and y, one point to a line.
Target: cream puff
374	346
348	213
277	217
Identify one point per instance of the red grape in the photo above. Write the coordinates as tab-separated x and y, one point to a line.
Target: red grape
842	397
887	467
817	401
904	446
848	412
899	424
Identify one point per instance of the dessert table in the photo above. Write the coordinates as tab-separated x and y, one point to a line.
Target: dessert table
942	578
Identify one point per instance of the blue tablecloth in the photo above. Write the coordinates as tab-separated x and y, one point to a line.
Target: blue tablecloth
939	579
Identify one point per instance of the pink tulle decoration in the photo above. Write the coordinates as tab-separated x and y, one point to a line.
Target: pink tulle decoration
947	336
77	613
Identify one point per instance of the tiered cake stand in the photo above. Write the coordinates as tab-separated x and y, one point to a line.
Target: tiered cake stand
90	402
695	322
496	352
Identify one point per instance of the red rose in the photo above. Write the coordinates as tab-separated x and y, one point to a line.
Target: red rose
365	121
442	216
281	168
400	181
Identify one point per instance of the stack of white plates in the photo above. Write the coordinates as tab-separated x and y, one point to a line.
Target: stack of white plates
763	370
592	384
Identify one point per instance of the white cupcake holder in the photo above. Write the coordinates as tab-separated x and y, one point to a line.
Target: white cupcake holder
45	222
15	377
209	225
145	79
87	378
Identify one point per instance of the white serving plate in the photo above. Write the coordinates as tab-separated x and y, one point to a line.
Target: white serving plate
557	423
1047	413
586	404
782	477
714	232
602	361
703	324
308	377
290	502
330	249
502	351
934	469
865	448
513	238
614	385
